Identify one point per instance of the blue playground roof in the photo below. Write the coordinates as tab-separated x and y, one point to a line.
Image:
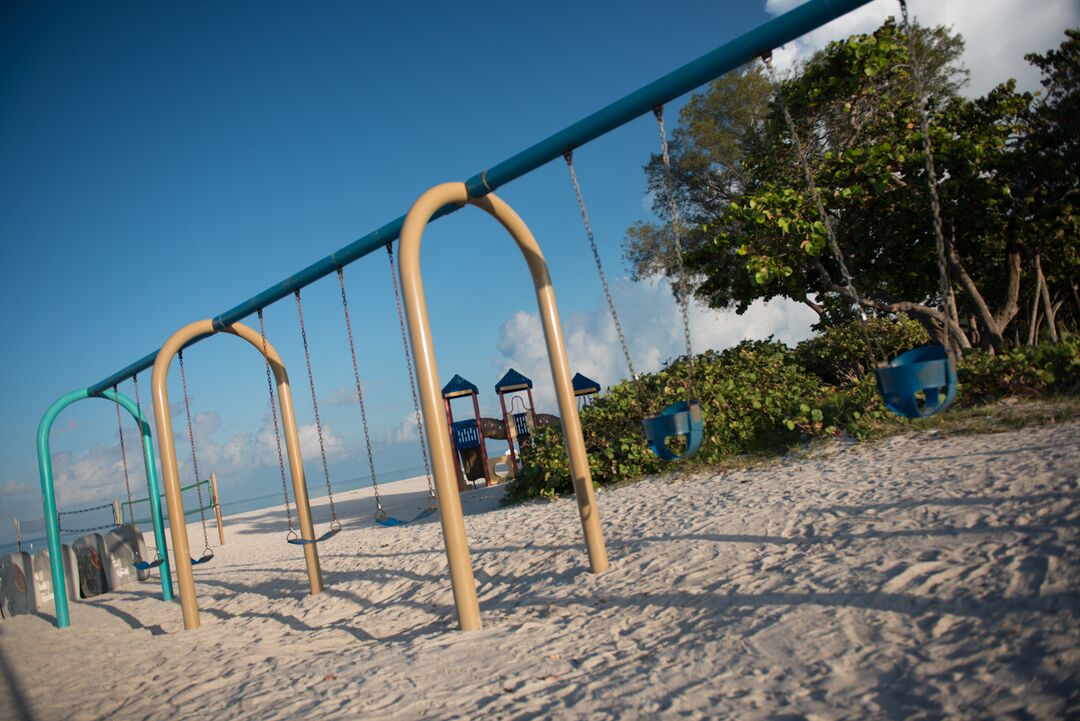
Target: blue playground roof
584	386
513	381
458	386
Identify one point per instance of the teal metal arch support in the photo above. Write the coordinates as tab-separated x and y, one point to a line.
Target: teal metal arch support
48	495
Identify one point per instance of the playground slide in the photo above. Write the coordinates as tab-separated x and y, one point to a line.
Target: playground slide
90	554
128	541
472	459
14	589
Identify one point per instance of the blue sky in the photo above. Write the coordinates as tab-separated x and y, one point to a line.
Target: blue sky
162	163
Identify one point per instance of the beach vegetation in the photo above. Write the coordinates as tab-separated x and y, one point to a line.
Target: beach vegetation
1008	166
1008	170
760	398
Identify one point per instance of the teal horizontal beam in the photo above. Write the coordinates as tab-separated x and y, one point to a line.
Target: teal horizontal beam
728	57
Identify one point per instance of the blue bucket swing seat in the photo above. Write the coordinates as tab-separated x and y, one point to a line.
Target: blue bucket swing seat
927	370
679	419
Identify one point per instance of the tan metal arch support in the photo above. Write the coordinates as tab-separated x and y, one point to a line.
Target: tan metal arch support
167	449
438	433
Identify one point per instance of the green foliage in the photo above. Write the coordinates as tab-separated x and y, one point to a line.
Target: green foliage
1023	371
753	230
747	394
757	398
840	353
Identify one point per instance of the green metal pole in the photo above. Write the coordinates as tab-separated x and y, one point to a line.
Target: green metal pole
155	499
48	496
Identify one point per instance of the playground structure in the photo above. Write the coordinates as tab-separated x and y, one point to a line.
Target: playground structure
584	388
453	524
171	472
48	494
922	381
467	436
518	424
441	200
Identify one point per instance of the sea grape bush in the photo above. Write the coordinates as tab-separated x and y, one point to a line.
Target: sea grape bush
746	393
763	397
1022	371
840	354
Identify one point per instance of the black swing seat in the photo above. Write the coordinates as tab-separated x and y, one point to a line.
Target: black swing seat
207	556
389	521
142	565
304	542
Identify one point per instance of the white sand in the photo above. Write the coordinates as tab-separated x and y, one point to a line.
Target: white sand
922	577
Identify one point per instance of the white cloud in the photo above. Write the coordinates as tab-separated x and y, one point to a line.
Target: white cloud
343	396
309	441
653	330
97	475
997	33
11	487
404	432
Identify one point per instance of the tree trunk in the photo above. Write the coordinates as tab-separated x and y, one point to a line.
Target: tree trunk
1048	306
819	309
993	323
1033	320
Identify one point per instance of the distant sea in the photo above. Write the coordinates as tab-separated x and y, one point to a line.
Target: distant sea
33	529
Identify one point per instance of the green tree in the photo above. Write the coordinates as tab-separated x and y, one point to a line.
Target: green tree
1047	182
857	117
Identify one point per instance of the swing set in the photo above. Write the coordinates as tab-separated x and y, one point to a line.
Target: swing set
920	382
680	420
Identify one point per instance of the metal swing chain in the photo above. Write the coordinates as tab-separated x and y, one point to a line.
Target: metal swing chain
360	395
123	451
138	410
931	179
334	523
683	288
569	157
830	234
412	375
194	457
277	430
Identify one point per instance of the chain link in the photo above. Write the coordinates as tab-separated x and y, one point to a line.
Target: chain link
84	530
60	528
815	194
146	468
412	375
931	180
569	157
359	391
123	450
138	410
318	422
683	293
194	456
277	429
84	510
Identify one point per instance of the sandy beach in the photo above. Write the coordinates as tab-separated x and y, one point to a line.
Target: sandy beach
921	577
